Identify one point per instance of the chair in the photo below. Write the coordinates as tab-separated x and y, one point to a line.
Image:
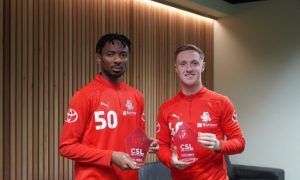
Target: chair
158	171
243	172
154	171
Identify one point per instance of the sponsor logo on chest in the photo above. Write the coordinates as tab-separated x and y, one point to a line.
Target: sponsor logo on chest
206	121
129	109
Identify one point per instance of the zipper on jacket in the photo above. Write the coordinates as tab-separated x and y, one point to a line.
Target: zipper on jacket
190	107
118	98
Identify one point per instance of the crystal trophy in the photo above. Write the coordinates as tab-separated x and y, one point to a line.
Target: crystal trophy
185	140
138	144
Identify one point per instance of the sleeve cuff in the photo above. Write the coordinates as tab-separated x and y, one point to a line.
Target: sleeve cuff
107	159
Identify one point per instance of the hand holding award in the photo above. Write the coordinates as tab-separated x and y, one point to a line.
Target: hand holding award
185	141
138	145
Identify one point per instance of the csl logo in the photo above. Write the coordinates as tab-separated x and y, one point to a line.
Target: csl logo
72	116
186	147
138	152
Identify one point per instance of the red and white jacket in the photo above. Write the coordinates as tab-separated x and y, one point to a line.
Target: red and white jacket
205	111
100	116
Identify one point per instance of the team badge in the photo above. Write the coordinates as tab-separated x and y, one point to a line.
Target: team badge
72	116
206	121
129	105
129	109
182	134
205	117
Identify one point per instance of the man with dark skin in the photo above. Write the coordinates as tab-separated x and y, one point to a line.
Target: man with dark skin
102	114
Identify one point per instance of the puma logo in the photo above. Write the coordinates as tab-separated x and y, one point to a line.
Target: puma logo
175	116
104	104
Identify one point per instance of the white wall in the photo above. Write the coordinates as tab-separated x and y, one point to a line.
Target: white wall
257	64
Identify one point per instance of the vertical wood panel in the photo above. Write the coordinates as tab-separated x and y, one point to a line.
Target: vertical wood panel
24	87
6	89
18	100
45	80
52	168
59	58
41	82
30	159
1	89
12	92
50	53
35	71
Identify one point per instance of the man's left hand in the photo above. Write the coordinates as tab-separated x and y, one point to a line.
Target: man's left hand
209	141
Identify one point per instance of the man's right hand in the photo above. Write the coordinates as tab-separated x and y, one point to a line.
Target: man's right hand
123	161
180	164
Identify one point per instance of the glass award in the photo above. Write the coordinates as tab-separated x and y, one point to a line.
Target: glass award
138	144
185	140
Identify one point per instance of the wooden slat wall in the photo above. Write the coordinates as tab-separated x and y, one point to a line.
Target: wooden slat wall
48	53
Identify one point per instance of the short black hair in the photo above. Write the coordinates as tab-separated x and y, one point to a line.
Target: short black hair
110	38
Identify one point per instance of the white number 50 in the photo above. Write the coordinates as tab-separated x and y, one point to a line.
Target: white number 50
111	120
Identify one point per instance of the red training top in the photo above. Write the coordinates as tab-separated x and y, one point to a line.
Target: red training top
100	116
205	111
